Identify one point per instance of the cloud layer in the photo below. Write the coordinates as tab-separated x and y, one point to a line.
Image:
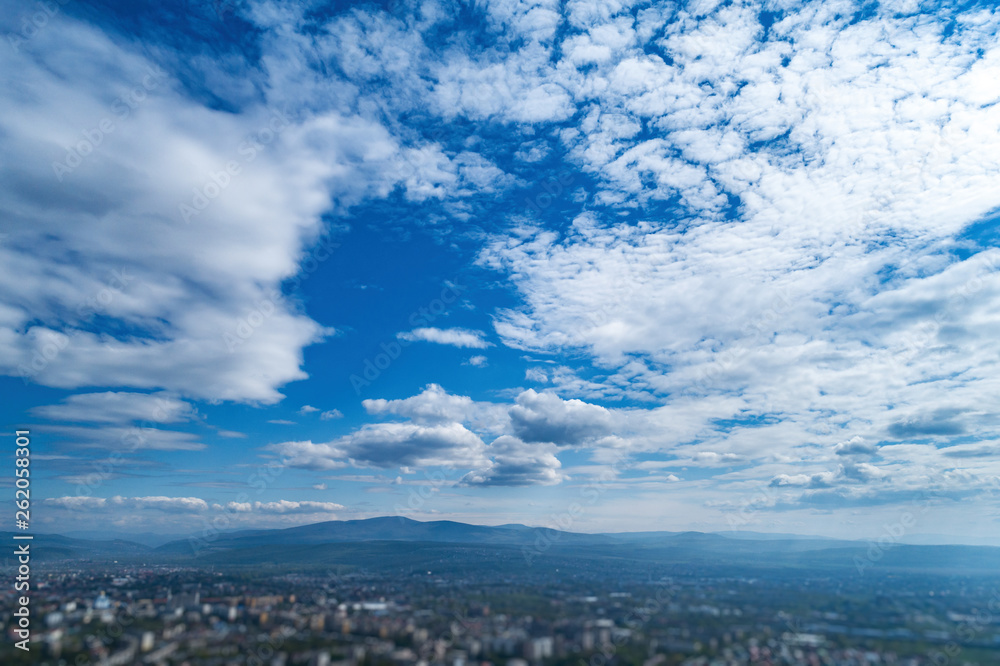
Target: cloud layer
749	247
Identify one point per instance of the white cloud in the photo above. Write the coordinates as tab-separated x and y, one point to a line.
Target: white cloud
516	463
533	151
331	414
537	375
307	409
434	405
122	438
545	417
854	446
480	175
308	455
118	407
195	291
833	303
76	503
178	514
444	429
281	507
772	261
157	503
143	275
387	445
457	337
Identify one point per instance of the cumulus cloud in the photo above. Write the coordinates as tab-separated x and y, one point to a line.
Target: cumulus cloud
443	429
979	450
434	405
811	272
157	503
925	427
533	423
517	463
537	375
308	455
388	445
178	514
713	458
183	221
394	444
854	446
281	507
545	417
456	337
176	286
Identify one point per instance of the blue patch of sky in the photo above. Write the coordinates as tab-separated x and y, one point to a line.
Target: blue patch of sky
981	235
210	29
749	421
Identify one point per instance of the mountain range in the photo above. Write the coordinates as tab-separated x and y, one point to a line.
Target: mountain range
394	542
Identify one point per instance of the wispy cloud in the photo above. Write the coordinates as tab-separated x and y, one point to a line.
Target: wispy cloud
456	337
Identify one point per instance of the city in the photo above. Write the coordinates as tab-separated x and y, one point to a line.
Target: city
485	606
500	332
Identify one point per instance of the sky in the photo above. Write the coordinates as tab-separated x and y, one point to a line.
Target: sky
600	266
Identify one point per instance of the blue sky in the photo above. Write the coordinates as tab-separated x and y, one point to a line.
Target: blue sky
697	266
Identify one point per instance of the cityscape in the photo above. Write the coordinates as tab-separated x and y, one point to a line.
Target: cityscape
500	332
481	603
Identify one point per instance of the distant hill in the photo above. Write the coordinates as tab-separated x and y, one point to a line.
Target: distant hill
770	536
401	544
389	528
150	539
57	547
